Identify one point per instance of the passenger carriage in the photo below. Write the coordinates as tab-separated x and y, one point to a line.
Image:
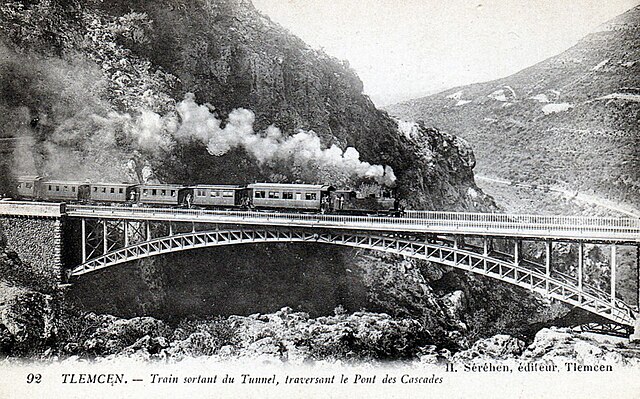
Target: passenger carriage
113	192
64	190
29	187
163	194
221	195
291	196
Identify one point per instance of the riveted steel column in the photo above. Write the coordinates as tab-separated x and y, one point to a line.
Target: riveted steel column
547	263
485	252
126	233
580	267
455	248
84	240
105	243
613	274
516	258
148	228
638	272
170	229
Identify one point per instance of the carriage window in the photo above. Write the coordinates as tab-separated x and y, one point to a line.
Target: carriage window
287	195
104	189
95	189
113	190
163	192
227	194
29	185
310	196
57	188
49	187
154	192
215	193
65	188
120	190
20	185
73	189
173	193
260	194
274	194
144	192
298	196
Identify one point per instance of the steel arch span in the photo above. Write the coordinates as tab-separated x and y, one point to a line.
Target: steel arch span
416	246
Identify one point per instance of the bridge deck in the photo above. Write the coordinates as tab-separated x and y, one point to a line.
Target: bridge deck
505	225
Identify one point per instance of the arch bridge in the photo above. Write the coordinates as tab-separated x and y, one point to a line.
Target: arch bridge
492	245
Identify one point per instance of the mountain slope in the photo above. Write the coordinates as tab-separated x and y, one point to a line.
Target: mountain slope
570	120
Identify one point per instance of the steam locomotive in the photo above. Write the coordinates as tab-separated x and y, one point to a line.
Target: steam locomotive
269	196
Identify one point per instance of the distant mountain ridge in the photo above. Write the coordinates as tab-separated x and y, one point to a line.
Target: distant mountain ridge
571	119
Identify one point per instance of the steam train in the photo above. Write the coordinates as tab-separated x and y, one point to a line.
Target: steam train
267	196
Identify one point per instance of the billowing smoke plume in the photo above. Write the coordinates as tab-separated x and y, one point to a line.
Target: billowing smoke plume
271	146
72	131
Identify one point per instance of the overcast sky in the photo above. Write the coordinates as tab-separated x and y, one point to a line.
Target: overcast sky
404	49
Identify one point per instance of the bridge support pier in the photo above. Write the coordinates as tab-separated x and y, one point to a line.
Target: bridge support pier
84	238
547	263
516	257
613	274
105	237
635	337
580	267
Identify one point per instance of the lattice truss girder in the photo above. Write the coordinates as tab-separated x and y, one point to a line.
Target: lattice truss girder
607	329
126	241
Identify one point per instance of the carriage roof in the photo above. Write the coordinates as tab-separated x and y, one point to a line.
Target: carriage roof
292	186
67	182
218	187
114	184
28	178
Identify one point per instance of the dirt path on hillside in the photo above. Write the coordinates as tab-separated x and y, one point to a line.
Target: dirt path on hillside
576	196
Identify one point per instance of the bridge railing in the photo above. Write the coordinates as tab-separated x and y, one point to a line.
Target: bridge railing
542	220
461	220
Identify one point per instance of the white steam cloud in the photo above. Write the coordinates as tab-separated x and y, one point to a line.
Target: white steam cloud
302	153
270	146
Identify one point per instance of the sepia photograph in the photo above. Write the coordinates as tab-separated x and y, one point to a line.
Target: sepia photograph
319	199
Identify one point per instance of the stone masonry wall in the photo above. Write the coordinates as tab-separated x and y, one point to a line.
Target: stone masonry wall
38	243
